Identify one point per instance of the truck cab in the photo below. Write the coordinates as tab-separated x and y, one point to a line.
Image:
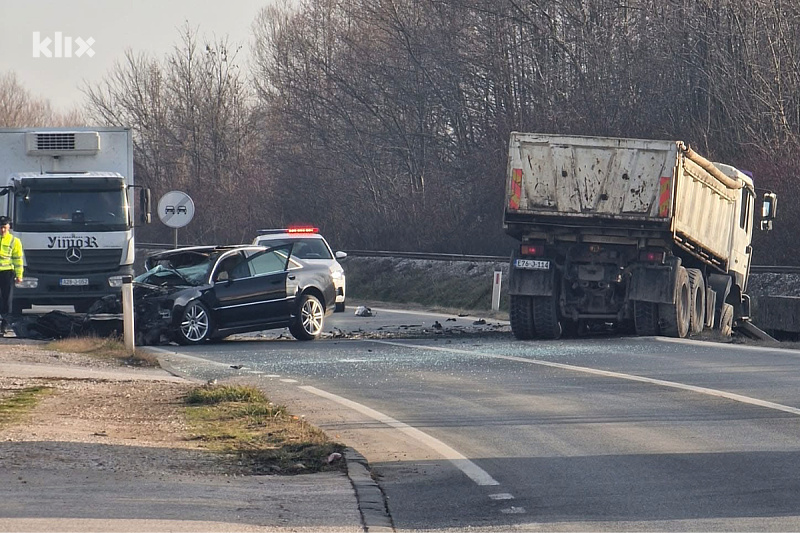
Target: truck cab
69	194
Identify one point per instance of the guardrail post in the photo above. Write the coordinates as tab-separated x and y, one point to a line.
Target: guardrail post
498	281
127	314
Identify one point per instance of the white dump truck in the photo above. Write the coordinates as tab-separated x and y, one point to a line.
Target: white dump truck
69	194
642	235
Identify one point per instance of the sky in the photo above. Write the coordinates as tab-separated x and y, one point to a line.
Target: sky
151	26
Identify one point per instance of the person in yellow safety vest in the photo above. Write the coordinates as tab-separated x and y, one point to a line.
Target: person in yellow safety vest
10	270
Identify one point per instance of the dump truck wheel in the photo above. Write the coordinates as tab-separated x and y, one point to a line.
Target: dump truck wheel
726	321
645	318
521	315
675	316
545	317
697	290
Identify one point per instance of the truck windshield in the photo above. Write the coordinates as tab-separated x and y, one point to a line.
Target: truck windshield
77	210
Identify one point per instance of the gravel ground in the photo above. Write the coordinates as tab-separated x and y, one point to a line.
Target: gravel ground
126	411
108	450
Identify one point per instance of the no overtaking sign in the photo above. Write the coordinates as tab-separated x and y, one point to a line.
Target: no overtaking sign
175	209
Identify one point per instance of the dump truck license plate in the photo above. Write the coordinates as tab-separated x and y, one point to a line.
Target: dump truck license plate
532	264
71	282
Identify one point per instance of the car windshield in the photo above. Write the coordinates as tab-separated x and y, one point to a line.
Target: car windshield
303	248
188	268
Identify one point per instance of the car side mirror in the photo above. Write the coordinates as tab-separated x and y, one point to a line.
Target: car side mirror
340	255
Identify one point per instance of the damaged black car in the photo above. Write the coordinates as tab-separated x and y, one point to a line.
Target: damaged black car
204	293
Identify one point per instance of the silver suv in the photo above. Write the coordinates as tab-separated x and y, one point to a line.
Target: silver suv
311	247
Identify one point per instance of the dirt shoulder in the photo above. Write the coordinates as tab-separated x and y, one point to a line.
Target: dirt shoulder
107	449
94	401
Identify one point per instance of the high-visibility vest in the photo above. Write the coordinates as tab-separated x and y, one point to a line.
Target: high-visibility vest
11	254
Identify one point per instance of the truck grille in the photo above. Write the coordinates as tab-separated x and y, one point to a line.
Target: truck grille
55	261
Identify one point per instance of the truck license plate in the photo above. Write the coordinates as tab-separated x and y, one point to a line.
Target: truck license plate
532	264
71	282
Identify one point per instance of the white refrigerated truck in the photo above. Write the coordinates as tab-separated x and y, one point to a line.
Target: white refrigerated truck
643	234
69	194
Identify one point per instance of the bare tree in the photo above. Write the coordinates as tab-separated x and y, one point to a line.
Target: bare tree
191	115
18	108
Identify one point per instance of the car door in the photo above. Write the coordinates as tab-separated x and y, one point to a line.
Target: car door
236	296
272	275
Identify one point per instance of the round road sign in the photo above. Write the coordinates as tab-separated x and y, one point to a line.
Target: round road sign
175	209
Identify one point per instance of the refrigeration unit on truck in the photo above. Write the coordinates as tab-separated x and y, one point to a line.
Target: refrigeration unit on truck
69	194
642	234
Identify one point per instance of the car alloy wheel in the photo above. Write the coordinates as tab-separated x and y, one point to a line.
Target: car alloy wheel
195	324
310	319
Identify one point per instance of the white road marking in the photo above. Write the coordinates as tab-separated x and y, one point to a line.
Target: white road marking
514	510
473	471
288	381
501	496
606	373
729	347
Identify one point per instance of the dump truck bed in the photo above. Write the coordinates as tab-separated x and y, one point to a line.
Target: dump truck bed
610	185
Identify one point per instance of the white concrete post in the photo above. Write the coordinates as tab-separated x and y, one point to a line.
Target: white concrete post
498	280
127	314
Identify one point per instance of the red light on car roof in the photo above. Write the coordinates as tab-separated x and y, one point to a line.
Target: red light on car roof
302	229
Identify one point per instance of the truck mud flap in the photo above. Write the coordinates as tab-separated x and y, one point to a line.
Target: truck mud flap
653	284
531	282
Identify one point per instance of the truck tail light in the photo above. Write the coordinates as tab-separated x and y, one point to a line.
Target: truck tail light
531	249
651	256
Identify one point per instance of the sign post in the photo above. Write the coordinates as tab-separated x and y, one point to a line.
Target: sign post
175	209
128	330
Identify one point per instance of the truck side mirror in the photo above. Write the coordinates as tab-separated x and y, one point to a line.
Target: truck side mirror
144	203
768	209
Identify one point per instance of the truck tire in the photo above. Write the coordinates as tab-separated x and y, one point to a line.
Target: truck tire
726	321
697	290
675	316
645	318
545	317
521	315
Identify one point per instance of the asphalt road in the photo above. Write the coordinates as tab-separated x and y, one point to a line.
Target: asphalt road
467	427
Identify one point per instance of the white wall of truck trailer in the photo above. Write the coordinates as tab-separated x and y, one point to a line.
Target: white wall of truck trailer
643	234
53	182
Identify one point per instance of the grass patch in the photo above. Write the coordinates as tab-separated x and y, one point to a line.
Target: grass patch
266	439
14	407
111	348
